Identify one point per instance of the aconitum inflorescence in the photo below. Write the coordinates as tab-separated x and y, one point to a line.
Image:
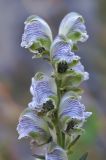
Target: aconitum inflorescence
55	116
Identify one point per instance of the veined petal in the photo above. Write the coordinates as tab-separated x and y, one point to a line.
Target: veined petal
72	113
73	27
42	90
61	50
56	154
37	36
71	107
31	125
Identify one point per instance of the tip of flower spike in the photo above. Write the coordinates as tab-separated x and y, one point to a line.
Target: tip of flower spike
73	27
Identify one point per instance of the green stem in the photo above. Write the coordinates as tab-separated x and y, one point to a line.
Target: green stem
63	140
60	135
57	120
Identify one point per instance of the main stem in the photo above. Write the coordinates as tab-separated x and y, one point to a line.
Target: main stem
60	135
57	119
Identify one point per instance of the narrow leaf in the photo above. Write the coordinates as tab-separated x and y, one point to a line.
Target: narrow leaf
84	156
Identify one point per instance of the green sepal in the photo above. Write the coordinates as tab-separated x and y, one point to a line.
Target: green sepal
75	47
72	81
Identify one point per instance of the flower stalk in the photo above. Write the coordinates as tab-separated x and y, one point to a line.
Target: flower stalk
55	116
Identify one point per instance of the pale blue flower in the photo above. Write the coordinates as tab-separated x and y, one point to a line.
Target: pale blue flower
72	113
31	125
56	153
37	36
42	90
73	27
50	151
61	50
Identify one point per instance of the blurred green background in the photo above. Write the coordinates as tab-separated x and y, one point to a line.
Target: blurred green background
17	68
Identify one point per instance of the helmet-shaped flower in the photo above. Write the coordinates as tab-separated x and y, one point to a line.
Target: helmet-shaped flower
62	55
37	36
31	125
72	114
73	27
43	90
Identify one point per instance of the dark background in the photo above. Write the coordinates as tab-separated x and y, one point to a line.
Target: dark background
17	68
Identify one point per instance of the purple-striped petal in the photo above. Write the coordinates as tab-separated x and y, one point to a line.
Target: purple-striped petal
37	36
61	50
42	89
72	113
31	125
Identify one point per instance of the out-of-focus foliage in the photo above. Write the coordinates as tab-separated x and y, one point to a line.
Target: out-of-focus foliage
16	68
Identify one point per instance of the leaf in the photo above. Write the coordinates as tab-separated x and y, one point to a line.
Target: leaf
73	27
84	156
37	36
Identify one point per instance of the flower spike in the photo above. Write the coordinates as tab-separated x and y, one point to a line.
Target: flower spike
55	116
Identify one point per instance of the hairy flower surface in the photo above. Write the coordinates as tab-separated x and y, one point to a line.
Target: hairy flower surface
37	36
73	27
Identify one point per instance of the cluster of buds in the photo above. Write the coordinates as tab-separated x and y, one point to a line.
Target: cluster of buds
55	116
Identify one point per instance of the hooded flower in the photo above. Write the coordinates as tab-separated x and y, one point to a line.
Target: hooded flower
42	90
72	113
74	77
37	36
31	125
57	153
50	151
61	50
61	53
73	27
